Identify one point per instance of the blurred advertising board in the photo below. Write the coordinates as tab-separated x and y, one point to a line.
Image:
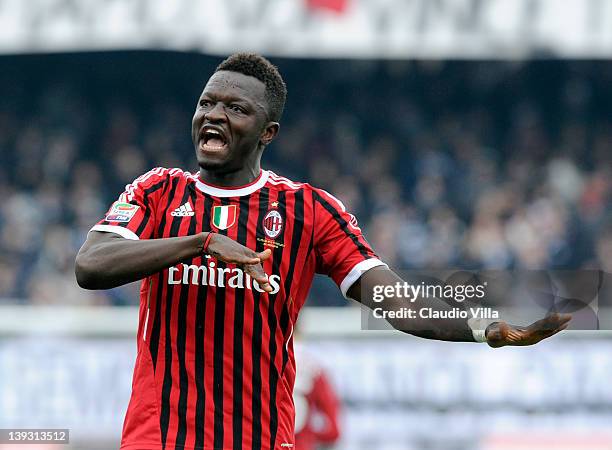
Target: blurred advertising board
498	29
398	392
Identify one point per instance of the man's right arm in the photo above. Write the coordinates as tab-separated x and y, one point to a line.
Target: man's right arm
107	260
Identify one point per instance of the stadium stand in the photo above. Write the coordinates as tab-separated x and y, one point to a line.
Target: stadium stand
445	164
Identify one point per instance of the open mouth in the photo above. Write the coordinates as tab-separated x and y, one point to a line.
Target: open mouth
212	139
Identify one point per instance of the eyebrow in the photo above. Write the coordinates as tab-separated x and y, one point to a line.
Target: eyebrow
229	98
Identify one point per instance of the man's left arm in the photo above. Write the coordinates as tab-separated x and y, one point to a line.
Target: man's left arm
344	254
497	334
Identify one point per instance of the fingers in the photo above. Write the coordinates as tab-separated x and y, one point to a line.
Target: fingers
253	258
244	259
564	319
232	252
505	334
515	336
257	273
547	327
237	258
264	255
551	331
535	337
252	266
560	328
255	269
551	322
559	319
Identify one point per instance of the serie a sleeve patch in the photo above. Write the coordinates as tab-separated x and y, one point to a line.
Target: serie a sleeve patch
121	212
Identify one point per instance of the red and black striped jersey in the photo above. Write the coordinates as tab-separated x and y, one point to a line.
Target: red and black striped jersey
215	367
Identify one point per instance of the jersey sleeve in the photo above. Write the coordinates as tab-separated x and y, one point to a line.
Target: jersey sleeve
132	216
342	251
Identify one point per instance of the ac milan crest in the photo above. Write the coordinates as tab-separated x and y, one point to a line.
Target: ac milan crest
273	223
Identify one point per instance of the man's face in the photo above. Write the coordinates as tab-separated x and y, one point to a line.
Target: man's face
230	121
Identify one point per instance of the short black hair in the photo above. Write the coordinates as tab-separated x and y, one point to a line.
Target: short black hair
254	65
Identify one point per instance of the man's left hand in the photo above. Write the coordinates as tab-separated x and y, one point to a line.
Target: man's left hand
500	334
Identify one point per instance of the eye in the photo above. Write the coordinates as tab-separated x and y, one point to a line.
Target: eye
238	109
204	103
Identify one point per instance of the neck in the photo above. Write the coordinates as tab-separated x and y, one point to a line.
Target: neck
239	177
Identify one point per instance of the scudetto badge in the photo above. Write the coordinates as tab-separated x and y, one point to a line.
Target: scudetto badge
223	217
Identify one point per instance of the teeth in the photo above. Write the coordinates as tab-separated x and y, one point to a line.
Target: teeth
213	132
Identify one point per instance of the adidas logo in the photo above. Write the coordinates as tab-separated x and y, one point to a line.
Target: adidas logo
183	211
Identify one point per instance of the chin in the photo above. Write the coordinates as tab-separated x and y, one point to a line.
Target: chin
214	164
210	160
211	164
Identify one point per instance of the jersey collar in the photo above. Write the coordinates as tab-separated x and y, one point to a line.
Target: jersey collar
236	191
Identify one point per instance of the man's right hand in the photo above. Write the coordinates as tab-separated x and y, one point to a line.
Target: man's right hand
229	251
108	260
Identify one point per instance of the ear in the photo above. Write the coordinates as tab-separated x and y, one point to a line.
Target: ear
269	133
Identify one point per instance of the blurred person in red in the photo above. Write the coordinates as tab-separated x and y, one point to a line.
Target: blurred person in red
317	407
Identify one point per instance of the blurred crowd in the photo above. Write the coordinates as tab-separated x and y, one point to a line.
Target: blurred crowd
445	164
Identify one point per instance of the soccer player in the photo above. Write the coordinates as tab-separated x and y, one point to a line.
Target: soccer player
317	407
226	257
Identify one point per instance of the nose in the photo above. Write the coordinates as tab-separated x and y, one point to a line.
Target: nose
216	113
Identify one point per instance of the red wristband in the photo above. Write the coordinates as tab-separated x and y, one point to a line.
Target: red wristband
206	242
